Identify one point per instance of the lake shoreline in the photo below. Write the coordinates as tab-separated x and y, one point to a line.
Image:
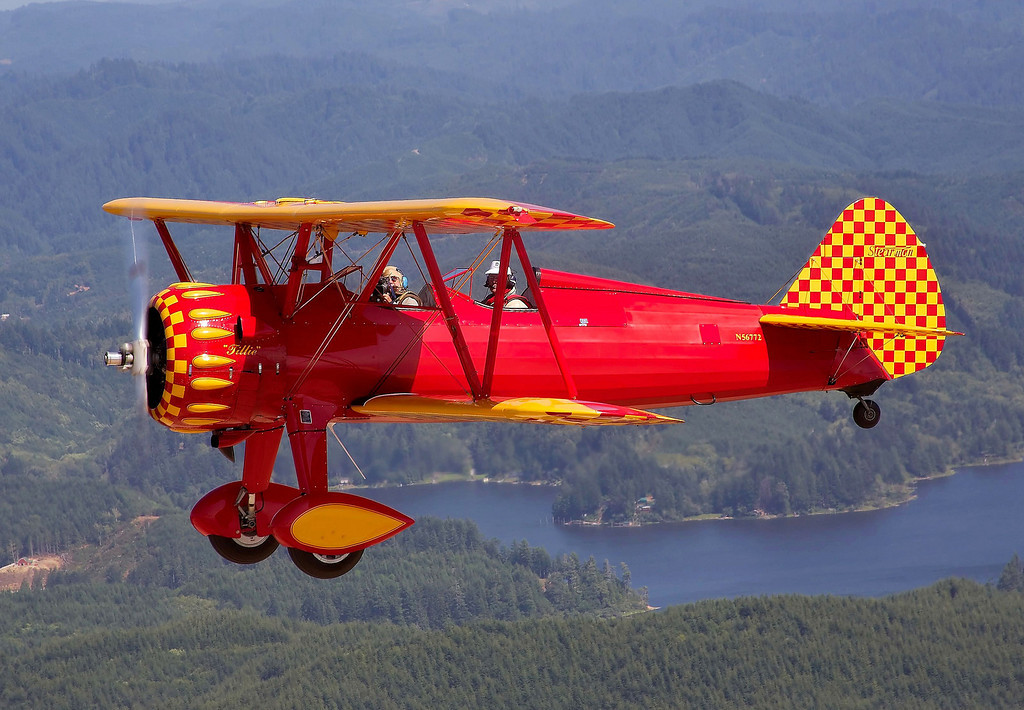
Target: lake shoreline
898	495
967	525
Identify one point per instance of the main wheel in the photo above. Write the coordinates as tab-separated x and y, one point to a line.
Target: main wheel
244	550
324	566
866	414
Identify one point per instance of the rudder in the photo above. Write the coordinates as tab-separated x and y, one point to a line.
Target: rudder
872	263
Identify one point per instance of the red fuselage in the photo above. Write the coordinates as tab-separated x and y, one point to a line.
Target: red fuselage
623	344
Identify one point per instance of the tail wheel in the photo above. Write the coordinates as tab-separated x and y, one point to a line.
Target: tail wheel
244	550
866	414
324	566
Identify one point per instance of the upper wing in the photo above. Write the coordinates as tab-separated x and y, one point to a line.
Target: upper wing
462	215
545	410
853	326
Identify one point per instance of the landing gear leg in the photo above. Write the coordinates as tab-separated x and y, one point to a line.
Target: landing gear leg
866	413
253	543
326	531
249	547
307	432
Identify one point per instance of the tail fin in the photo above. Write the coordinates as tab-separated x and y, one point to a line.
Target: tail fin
872	264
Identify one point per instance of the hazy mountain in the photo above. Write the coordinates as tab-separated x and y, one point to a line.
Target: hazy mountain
831	53
352	128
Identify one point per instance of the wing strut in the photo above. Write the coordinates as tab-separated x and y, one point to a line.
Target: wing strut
364	296
298	270
500	286
173	254
451	319
382	261
247	258
481	390
545	316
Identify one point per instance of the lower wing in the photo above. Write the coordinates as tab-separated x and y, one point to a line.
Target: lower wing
544	410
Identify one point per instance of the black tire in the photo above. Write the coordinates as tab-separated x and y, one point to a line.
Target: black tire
244	550
324	566
866	414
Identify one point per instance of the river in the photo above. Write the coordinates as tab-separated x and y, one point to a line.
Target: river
967	525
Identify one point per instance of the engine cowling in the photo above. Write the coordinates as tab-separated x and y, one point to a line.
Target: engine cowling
214	365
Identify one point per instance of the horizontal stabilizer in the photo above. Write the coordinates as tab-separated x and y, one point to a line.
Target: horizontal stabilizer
544	410
785	320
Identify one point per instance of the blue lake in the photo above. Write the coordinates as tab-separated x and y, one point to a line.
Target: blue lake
967	525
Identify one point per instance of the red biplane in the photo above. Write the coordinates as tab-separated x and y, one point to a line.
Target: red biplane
306	335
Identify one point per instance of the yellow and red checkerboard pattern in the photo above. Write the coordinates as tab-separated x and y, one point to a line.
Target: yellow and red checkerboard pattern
872	263
169	407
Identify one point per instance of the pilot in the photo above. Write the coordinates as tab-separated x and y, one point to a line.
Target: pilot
511	299
394	288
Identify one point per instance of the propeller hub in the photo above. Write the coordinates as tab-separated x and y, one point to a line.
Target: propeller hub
130	357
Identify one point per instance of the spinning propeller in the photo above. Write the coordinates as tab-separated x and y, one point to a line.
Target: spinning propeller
137	356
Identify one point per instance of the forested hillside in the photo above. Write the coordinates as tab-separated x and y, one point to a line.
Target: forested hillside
442	572
348	127
955	644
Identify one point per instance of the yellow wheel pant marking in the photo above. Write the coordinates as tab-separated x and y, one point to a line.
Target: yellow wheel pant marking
335	526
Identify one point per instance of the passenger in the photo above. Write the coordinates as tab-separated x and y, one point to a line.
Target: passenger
394	288
511	299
